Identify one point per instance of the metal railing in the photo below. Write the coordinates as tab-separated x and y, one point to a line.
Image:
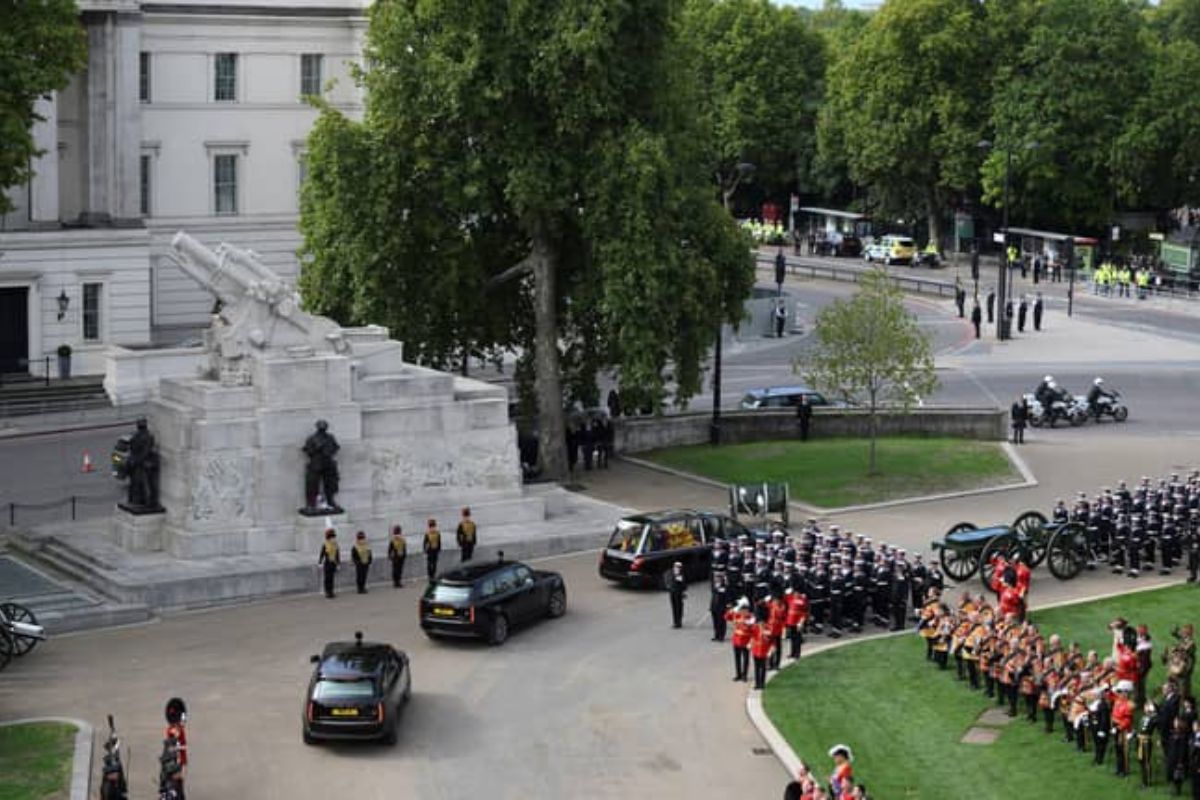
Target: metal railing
853	274
44	378
71	504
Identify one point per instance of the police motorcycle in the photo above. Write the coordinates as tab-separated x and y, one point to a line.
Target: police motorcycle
1105	403
113	785
1050	404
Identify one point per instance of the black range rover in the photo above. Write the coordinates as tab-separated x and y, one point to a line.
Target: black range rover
487	600
643	547
356	692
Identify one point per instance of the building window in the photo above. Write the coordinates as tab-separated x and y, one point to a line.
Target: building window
310	74
144	177
91	311
226	77
144	77
225	184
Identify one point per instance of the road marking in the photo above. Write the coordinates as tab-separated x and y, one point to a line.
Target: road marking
988	392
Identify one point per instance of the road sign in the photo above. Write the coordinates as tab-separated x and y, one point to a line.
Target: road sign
998	237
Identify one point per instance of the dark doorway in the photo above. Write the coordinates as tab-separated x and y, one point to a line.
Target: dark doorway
14	330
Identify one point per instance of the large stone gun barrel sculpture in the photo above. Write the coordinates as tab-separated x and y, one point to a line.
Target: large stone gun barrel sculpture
259	311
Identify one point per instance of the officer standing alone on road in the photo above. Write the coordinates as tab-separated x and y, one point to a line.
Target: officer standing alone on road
466	535
360	554
397	552
329	559
718	604
780	271
991	306
677	589
1037	312
976	317
1022	310
432	547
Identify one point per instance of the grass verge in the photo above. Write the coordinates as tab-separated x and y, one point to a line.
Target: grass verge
833	472
904	719
35	761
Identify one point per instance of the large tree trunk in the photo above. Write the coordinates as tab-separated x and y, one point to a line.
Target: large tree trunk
934	217
552	448
873	431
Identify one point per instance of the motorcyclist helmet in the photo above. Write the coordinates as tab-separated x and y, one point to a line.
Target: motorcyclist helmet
1048	379
1052	384
1098	381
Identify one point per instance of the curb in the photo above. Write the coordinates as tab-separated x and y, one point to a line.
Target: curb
1028	481
81	764
779	745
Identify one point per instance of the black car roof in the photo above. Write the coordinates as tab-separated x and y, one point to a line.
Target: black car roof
473	572
667	514
350	659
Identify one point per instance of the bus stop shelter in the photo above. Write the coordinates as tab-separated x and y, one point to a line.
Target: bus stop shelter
829	221
1075	250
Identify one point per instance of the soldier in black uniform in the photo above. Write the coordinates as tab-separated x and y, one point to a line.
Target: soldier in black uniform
917	576
1133	547
1192	540
1168	543
432	545
818	597
718	604
397	553
881	578
1100	721
859	586
677	589
837	596
329	559
899	596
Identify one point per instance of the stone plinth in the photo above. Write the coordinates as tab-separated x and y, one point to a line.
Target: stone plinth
138	533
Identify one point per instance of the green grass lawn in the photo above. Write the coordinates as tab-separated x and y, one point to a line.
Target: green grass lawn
833	472
35	761
904	719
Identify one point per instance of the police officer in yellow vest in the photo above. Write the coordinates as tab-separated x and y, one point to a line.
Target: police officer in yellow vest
329	559
360	554
1143	283
397	552
466	535
432	547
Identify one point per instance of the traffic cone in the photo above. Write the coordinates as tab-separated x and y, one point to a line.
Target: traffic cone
87	462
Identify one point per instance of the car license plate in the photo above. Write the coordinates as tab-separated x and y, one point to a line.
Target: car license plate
443	612
345	712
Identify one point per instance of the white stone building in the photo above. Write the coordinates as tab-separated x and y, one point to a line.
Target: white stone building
189	114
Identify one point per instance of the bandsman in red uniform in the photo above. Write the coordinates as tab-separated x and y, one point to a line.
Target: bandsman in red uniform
743	622
842	777
797	616
1122	720
776	622
760	649
176	714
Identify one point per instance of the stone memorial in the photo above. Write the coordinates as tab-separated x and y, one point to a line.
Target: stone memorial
241	467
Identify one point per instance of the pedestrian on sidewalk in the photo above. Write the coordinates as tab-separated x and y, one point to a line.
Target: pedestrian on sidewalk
991	305
780	316
780	271
677	589
1037	312
960	297
976	317
397	552
1037	269
1022	310
1020	416
329	559
360	554
432	545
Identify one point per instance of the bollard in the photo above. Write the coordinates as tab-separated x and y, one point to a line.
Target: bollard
72	508
12	515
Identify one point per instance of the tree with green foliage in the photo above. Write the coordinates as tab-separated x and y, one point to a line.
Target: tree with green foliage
1059	98
760	71
41	45
907	106
527	173
870	352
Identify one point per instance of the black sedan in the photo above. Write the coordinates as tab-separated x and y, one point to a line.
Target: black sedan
487	600
356	692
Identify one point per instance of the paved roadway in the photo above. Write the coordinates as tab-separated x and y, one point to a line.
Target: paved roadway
607	702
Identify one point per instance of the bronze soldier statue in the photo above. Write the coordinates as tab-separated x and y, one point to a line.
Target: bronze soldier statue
321	473
136	459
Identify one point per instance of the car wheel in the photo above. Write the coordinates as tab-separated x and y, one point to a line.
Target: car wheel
558	604
308	738
498	635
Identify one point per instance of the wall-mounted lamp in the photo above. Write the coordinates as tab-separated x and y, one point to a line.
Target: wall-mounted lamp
63	302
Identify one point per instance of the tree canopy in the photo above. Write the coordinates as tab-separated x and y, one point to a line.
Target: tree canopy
527	174
869	350
41	45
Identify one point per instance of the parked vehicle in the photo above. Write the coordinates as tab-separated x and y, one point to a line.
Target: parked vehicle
843	245
643	547
19	632
891	249
356	692
488	600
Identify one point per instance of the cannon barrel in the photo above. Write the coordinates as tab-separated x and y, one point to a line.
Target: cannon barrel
226	277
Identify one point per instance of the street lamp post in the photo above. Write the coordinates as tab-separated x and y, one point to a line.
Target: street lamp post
741	171
1005	279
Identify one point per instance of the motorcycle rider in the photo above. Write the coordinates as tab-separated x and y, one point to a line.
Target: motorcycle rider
1044	392
1095	393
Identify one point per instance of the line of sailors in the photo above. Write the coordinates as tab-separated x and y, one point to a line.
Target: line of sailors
1135	529
821	582
1097	701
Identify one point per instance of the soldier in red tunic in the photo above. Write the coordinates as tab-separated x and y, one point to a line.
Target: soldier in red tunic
1122	721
